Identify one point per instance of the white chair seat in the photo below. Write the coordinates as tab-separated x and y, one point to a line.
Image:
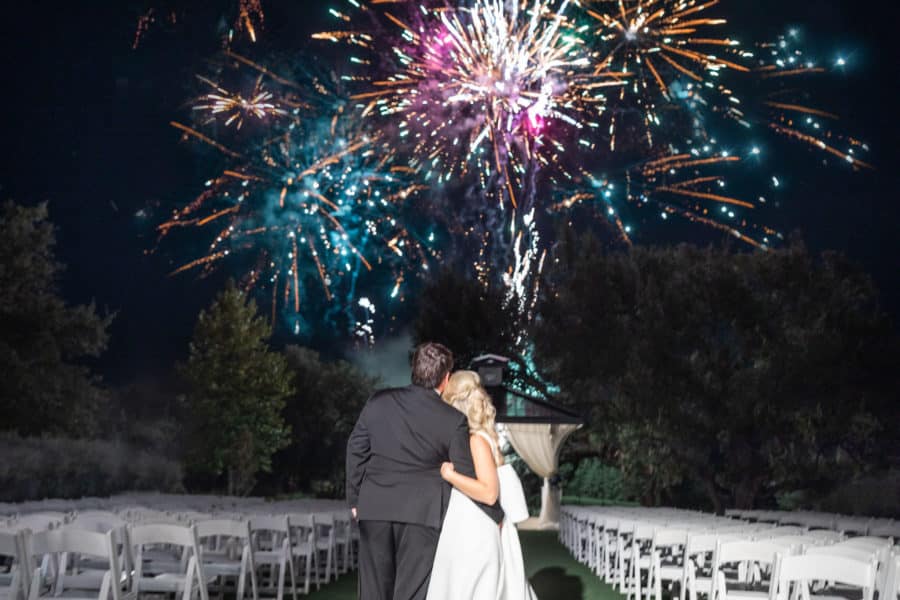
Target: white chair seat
670	572
267	557
305	548
164	583
223	569
746	595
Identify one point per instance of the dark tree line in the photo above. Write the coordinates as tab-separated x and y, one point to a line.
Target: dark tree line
237	415
740	376
742	373
708	376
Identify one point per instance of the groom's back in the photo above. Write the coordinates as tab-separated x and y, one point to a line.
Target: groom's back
409	433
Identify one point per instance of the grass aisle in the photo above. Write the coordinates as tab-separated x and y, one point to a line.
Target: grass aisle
554	574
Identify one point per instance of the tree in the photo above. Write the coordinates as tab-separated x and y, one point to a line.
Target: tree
46	387
237	390
743	373
465	316
321	414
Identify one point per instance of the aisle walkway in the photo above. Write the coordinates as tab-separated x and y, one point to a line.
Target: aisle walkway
554	574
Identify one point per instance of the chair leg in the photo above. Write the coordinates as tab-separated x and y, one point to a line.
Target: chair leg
307	575
242	578
330	565
293	579
279	595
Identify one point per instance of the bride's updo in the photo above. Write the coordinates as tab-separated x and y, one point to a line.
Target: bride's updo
465	393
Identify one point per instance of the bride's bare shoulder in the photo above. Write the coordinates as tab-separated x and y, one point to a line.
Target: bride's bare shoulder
478	441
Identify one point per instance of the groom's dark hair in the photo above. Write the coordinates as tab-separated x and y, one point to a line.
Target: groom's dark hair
431	362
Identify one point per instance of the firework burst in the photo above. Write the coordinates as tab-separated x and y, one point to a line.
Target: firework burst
665	52
311	209
690	185
785	70
246	16
236	109
481	89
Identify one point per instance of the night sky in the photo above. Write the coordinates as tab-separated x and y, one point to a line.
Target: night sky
86	129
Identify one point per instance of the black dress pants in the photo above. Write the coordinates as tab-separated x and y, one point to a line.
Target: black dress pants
395	560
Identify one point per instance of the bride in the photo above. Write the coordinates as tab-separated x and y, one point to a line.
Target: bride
476	560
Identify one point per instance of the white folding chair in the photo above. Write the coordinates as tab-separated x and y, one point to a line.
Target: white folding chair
876	550
13	584
271	539
641	559
325	545
697	557
752	558
343	541
227	552
801	570
104	522
304	548
668	560
623	554
167	560
68	548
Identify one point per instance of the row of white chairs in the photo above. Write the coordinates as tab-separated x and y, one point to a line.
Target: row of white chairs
172	503
643	552
143	550
849	524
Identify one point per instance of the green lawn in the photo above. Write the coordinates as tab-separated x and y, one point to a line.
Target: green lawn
554	574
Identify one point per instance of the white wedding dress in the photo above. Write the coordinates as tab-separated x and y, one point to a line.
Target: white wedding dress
476	559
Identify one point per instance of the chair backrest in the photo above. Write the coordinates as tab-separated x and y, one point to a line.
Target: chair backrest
74	540
9	544
39	521
305	527
278	524
884	528
851	552
822	567
323	522
825	535
799	541
760	551
780	532
163	533
223	527
269	531
669	537
705	542
97	521
869	542
852	525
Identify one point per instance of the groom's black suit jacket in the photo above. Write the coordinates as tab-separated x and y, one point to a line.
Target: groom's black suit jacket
394	457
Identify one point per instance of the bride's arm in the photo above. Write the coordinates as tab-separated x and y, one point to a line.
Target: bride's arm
484	489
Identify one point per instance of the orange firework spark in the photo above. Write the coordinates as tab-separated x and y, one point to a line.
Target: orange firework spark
652	43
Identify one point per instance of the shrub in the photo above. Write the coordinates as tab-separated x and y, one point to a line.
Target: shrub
592	479
36	468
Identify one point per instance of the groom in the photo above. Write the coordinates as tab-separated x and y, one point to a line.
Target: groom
394	484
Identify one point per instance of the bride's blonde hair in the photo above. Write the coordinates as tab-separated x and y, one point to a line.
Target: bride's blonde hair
465	393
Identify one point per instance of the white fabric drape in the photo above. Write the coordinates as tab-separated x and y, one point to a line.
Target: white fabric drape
539	444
